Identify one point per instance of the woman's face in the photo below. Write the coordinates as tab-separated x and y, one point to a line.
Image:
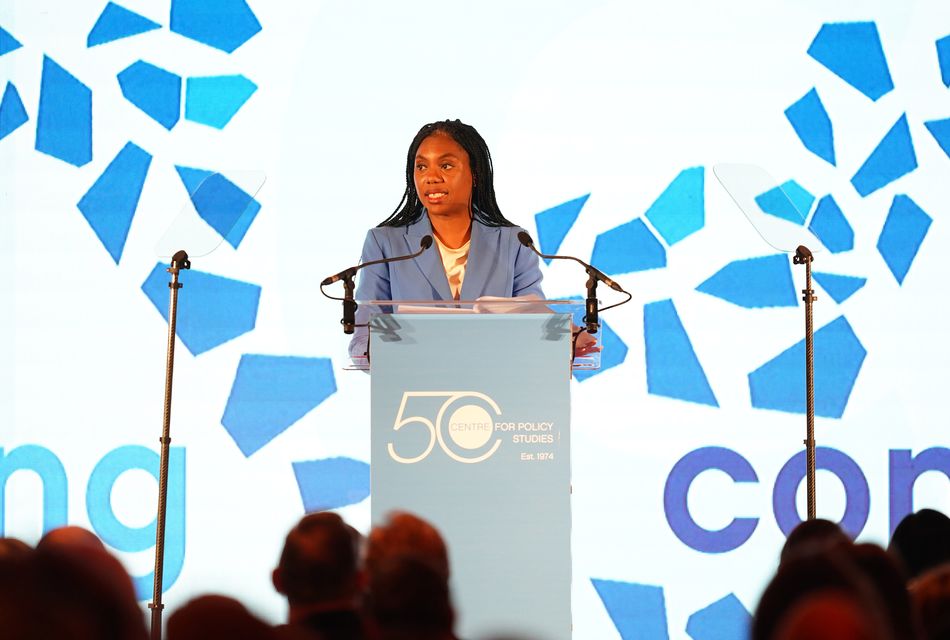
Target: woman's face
443	176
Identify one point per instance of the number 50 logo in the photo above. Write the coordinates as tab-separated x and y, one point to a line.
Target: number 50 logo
470	426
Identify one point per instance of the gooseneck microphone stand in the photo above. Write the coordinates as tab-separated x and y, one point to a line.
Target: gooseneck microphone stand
805	257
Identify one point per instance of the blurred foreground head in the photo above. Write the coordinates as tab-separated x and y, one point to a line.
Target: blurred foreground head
921	541
405	534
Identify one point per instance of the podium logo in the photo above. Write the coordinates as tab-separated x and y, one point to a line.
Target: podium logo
467	418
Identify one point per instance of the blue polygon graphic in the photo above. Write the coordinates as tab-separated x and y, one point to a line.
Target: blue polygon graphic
904	231
270	393
754	283
673	370
7	42
839	287
214	100
629	247
154	90
779	384
64	121
331	483
116	22
853	52
811	123
637	610
943	57
614	352
110	203
788	201
211	309
222	24
12	112
893	157
681	209
831	227
724	619
222	204
554	223
940	130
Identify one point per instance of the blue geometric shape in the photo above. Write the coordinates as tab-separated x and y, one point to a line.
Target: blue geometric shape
831	227
853	52
811	123
12	112
222	24
943	57
554	223
724	619
226	207
788	201
154	90
64	121
904	230
779	384
7	42
211	309
331	483
613	354
892	158
627	248
116	22
681	209
673	370
110	203
940	130
637	610
270	393
214	100
839	287
754	283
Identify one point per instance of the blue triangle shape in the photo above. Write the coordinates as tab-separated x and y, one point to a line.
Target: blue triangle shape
789	201
892	158
673	370
840	288
853	52
116	22
192	178
940	130
12	112
554	223
7	42
680	210
214	100
811	123
943	57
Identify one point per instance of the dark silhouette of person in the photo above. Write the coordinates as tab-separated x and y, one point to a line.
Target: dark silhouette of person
921	541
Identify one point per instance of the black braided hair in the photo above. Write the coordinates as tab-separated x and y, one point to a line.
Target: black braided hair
484	207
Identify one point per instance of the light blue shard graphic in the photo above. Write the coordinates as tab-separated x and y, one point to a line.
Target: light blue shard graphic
637	610
812	125
64	121
214	100
892	158
754	283
331	483
7	42
116	22
779	384
554	223
154	90
904	231
628	248
724	619
270	393
211	309
222	24
831	227
673	370
12	112
788	201
853	52
839	287
110	203
681	208
222	204
943	58
940	130
613	354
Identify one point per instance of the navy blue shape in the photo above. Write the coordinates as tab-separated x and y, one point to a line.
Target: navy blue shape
904	230
724	619
211	309
7	42
831	227
779	384
154	90
331	483
222	24
116	22
222	204
637	610
940	130
554	223
754	283
110	203
811	123
64	121
681	208
788	201
853	52
270	393
214	100
943	57
673	370
892	158
839	287
629	247
614	352
12	112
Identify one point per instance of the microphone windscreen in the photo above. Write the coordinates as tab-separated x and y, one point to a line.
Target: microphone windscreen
525	239
426	242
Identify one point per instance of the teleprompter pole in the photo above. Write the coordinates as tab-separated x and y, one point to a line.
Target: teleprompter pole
804	256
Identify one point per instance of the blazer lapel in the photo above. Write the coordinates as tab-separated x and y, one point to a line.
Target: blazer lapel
482	254
430	262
